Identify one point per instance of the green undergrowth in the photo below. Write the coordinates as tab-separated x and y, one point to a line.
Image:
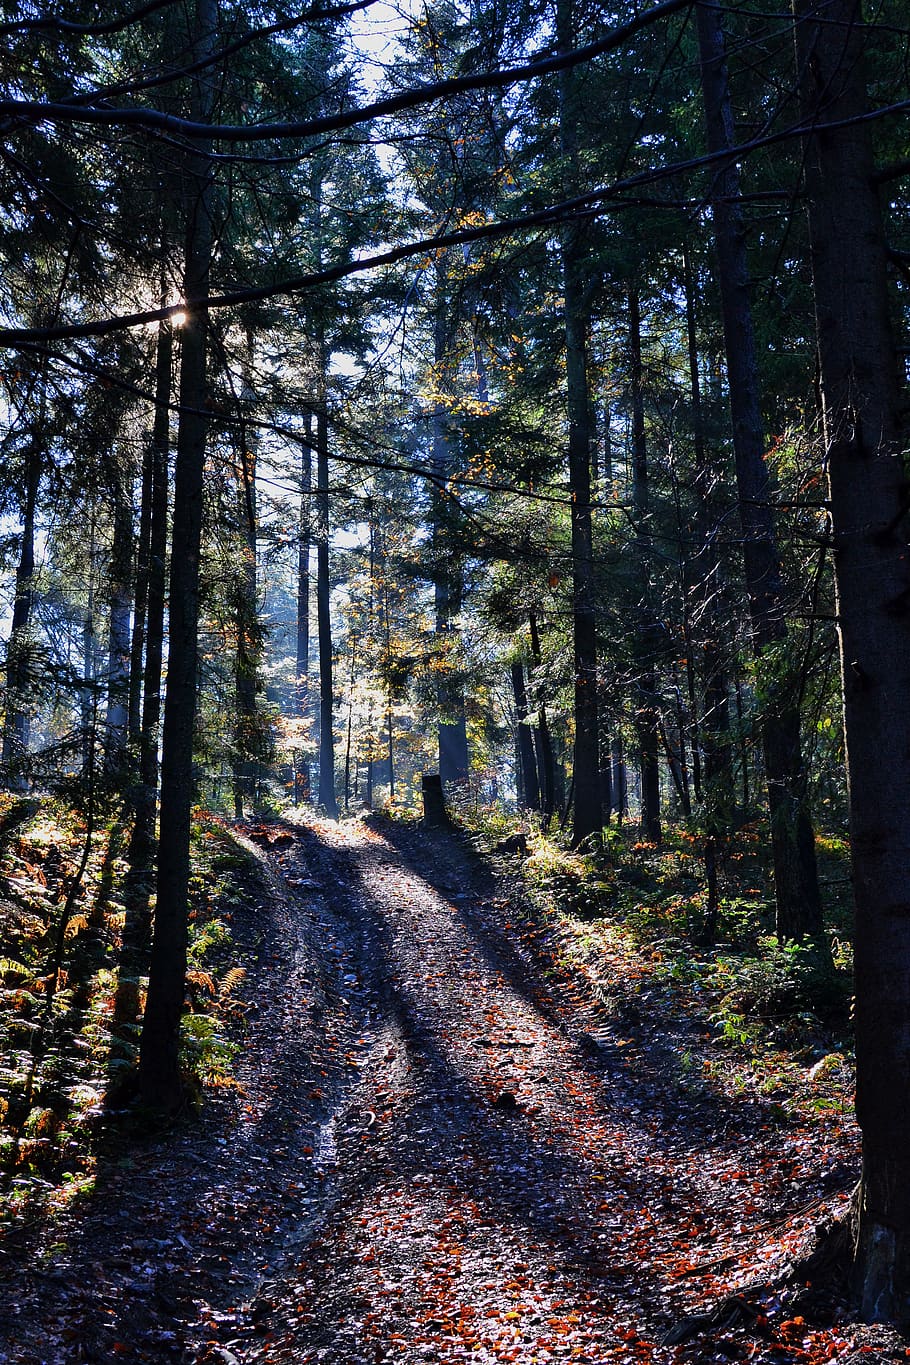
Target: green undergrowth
628	918
72	990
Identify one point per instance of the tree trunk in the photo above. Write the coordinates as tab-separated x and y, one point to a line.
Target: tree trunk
327	798
713	729
300	702
371	628
588	818
16	726
798	902
159	1067
525	741
140	601
861	394
607	795
143	837
620	786
88	693
680	755
390	741
350	727
714	786
246	663
454	759
647	715
303	573
543	744
119	641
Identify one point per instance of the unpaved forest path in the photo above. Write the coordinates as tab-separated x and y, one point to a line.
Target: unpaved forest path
439	1156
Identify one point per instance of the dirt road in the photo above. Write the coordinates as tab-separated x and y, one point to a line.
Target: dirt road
439	1155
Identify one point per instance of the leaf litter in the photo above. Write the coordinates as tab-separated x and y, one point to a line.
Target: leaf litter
442	1150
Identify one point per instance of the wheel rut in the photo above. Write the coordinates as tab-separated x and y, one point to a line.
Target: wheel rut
502	1194
436	1153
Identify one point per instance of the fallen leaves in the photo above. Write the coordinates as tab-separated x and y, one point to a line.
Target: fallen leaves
437	1167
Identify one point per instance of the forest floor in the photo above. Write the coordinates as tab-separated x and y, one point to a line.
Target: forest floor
442	1147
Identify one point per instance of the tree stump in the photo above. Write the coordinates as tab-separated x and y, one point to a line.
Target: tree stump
434	802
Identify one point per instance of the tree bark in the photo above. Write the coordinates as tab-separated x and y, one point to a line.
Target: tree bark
352	675
119	642
327	798
246	663
454	759
647	714
88	692
543	744
713	729
798	902
303	573
140	601
620	785
142	841
371	629
607	795
159	1068
867	478
525	740
17	723
588	818
300	701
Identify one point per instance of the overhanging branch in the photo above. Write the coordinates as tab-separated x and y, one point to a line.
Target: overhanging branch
37	111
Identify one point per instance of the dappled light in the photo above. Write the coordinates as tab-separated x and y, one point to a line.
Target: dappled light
454	684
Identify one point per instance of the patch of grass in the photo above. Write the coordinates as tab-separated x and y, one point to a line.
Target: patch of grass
627	917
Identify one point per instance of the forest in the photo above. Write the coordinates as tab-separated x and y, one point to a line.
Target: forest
463	447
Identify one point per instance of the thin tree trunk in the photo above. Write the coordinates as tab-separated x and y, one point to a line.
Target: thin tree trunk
714	730
350	726
371	618
525	740
327	798
303	572
143	837
88	699
140	601
246	662
390	734
301	699
454	759
543	744
620	787
798	902
862	399
743	745
676	769
588	817
17	724
159	1066
647	716
681	749
119	642
606	775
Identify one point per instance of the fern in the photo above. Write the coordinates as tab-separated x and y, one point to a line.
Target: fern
18	973
203	980
231	981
